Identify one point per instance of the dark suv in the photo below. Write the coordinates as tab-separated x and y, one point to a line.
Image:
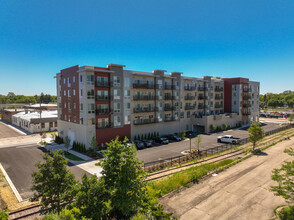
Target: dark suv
173	138
161	140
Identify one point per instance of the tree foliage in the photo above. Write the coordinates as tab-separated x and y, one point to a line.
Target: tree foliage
4	214
91	198
124	178
66	142
285	179
284	99
198	141
255	133
11	98
53	183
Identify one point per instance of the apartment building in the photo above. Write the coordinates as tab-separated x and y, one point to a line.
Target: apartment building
108	102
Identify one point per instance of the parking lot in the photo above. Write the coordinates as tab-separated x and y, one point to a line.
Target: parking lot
161	152
19	163
6	131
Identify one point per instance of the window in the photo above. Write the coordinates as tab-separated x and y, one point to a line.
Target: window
73	79
64	93
102	122
68	92
69	118
116	121
64	105
55	124
74	105
68	82
182	115
74	92
42	125
116	94
81	107
90	94
91	121
81	78
50	124
127	93
127	107
75	119
188	114
91	108
63	80
69	107
81	121
127	82
102	81
116	81
116	107
102	95
127	119
81	92
90	79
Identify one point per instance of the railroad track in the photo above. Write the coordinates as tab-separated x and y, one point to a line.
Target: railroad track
26	213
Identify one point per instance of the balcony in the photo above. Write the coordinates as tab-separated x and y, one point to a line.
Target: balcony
176	97
103	111
218	106
245	89
168	97
102	84
145	121
189	97
143	86
200	106
189	88
218	89
201	88
102	98
140	110
246	97
110	125
189	107
245	105
146	97
169	108
246	113
217	97
201	97
167	86
170	119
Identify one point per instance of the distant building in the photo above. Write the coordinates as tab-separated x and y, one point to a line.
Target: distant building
30	121
6	114
108	102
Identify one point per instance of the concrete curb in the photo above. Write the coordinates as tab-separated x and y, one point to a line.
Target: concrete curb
11	184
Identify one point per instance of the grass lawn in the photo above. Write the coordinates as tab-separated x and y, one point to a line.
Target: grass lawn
72	157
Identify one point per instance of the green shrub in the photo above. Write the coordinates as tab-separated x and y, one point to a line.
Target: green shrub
287	213
145	136
157	134
4	214
212	128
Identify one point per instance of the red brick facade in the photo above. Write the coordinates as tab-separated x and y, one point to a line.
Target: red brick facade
106	134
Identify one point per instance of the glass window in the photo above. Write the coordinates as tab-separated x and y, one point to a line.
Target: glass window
90	94
73	79
90	79
81	107
116	121
127	93
81	78
116	107
127	82
91	108
116	81
116	94
102	122
127	119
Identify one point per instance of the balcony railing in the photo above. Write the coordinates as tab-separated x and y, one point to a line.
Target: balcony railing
103	111
200	106
189	88
143	86
201	88
102	84
245	89
218	89
140	110
102	98
218	97
170	119
246	97
201	97
176	97
110	125
189	107
218	106
246	105
168	108
145	121
167	86
246	113
136	98
168	97
189	97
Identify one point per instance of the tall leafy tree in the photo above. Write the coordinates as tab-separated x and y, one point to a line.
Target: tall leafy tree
91	198
67	143
285	179
124	178
255	133
198	141
53	183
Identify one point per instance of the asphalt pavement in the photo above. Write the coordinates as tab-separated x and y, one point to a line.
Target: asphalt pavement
6	131
174	149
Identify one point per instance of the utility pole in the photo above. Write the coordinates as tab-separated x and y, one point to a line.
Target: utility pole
190	144
41	134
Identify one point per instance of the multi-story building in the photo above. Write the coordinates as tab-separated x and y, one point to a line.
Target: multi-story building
109	102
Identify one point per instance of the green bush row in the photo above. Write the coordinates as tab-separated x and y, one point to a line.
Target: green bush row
79	147
146	136
58	140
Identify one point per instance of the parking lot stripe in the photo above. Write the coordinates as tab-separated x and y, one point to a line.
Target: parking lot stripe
11	184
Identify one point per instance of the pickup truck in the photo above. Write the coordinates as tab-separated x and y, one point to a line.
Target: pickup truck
228	139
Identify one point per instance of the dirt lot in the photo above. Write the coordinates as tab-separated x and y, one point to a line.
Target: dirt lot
6	131
241	192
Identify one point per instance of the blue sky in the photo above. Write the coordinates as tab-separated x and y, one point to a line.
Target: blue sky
227	38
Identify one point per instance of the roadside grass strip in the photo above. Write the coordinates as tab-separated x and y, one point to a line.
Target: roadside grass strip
72	157
161	187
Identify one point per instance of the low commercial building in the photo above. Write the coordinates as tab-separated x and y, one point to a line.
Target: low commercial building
31	121
6	114
108	102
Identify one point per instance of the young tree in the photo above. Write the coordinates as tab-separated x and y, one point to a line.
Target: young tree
94	143
290	118
124	178
198	141
285	179
4	214
67	143
183	134
91	197
255	133
53	183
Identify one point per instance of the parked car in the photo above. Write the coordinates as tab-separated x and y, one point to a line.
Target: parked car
228	139
173	138
139	144
161	140
128	143
148	143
